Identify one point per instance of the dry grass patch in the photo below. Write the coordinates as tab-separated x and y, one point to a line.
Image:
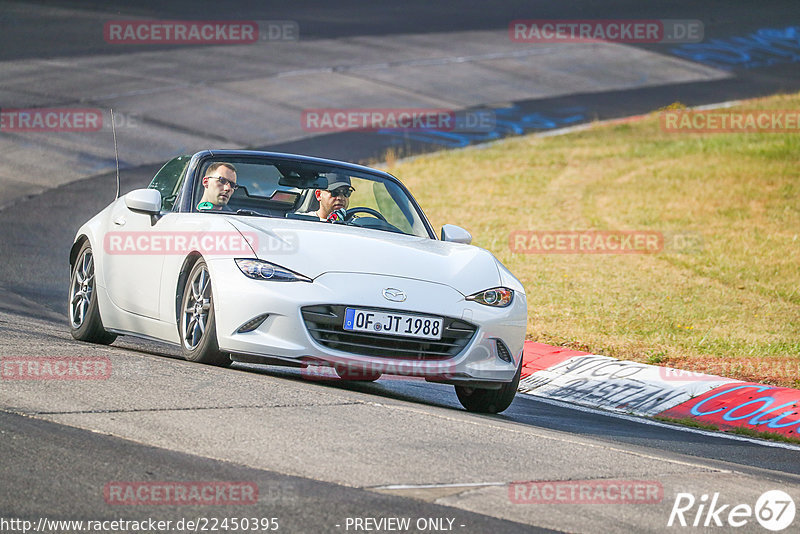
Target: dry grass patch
719	307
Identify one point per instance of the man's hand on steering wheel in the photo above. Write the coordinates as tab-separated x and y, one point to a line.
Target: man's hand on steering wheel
351	213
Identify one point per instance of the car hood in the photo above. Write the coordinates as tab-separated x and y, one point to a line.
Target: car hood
312	249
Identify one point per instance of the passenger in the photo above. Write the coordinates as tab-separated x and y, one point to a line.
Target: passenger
334	200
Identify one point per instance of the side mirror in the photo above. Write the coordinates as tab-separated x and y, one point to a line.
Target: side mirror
144	200
455	234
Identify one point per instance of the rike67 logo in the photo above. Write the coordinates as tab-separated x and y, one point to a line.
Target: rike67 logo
774	510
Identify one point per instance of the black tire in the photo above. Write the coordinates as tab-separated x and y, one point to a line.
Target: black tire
354	374
84	313
489	400
196	323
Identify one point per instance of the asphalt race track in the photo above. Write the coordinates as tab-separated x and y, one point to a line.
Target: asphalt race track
327	456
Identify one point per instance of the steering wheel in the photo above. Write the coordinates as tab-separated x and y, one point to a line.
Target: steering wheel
352	212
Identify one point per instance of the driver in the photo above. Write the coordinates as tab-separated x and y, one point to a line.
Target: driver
219	183
336	197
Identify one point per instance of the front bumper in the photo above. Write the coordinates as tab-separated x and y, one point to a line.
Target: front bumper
284	336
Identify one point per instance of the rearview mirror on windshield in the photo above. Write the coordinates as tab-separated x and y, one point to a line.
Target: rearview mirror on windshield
301	178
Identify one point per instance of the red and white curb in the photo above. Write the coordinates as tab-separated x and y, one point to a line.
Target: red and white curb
648	390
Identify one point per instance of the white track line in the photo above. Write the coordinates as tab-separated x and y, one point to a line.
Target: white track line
428	486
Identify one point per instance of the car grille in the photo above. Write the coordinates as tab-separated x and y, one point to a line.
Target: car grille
324	323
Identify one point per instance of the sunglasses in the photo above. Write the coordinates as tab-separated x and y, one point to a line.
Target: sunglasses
341	192
224	181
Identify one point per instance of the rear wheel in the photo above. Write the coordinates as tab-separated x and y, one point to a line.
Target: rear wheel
84	313
197	324
489	400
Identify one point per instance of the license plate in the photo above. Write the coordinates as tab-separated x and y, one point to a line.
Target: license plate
393	324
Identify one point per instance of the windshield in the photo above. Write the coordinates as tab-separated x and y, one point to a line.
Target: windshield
301	191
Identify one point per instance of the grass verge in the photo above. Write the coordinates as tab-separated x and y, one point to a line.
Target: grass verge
727	304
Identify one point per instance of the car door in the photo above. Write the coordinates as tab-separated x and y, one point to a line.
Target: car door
137	243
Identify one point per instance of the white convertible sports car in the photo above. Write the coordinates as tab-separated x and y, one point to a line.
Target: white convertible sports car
262	278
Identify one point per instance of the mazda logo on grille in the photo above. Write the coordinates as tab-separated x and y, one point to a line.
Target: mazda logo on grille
396	295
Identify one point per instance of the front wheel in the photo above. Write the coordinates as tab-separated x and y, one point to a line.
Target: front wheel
84	312
489	400
197	325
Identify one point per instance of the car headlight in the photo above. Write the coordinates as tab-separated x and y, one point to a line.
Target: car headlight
264	270
499	297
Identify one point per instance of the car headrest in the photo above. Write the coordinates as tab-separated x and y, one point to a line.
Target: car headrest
309	202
